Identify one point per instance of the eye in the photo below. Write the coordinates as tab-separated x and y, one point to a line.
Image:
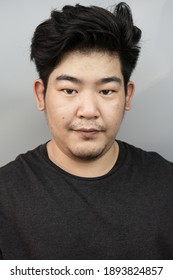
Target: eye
107	92
69	91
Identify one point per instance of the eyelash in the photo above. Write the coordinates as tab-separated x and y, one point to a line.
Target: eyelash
72	91
69	91
107	91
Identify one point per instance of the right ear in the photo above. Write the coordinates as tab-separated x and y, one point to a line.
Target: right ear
39	92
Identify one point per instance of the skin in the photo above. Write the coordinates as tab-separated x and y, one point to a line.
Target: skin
84	104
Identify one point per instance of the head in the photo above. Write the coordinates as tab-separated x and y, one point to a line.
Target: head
80	28
85	56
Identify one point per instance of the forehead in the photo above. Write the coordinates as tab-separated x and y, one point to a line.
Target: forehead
99	64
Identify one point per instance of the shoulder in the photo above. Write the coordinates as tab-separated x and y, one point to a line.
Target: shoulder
149	175
147	164
20	166
145	157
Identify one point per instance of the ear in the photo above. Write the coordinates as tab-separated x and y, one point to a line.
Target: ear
129	95
39	94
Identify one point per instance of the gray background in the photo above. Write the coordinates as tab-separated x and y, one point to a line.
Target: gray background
149	123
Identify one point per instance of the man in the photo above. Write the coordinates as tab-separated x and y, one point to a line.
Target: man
83	194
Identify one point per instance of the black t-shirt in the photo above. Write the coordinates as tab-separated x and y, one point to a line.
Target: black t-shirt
47	213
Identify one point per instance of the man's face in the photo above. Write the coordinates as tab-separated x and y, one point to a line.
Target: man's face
84	103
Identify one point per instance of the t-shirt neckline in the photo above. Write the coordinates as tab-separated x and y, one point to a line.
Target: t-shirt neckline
115	168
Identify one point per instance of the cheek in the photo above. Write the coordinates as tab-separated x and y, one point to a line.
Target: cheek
115	112
58	118
59	108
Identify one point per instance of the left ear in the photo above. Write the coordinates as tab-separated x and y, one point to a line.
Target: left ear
129	95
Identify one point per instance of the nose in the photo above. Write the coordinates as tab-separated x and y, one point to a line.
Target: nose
88	106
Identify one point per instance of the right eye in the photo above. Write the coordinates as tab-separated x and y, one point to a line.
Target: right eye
69	91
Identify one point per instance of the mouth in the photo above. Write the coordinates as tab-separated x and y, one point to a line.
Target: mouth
87	132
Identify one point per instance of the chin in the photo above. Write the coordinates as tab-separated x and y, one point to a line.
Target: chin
87	154
86	157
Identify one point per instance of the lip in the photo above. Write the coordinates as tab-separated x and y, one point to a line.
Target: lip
87	132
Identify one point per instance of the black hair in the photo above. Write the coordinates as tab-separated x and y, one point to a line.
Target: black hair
86	29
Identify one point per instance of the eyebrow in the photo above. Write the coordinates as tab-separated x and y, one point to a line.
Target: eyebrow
68	78
99	82
109	80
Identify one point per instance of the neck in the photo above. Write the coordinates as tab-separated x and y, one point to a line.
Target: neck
89	168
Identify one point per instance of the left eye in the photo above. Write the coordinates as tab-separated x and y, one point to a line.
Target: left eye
69	91
106	92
